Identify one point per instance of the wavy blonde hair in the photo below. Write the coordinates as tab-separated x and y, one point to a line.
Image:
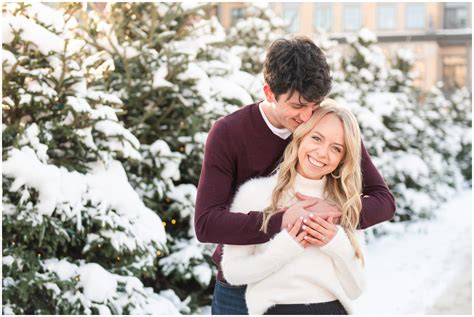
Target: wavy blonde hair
345	190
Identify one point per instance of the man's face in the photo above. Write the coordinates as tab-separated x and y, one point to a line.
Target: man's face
290	113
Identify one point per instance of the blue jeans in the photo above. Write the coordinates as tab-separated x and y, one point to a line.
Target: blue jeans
229	300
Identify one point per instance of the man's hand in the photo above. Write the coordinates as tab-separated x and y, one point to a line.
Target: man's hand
295	212
321	208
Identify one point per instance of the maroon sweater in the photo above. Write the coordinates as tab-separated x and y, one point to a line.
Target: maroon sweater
240	146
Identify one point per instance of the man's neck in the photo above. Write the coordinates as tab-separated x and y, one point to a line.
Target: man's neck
267	108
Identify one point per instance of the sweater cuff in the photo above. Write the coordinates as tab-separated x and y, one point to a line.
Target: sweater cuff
274	225
338	243
285	243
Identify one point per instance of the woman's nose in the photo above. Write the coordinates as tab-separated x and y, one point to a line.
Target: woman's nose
322	151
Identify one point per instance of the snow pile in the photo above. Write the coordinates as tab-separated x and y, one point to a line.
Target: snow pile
408	271
101	292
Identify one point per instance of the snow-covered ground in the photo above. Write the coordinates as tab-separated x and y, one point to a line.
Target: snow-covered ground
424	270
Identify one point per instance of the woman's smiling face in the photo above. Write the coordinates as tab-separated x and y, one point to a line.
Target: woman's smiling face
322	149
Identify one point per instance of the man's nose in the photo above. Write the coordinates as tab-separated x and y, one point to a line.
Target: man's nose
306	113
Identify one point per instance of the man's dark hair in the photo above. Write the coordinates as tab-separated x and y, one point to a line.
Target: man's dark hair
297	64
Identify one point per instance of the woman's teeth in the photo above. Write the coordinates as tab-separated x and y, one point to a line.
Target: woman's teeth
314	162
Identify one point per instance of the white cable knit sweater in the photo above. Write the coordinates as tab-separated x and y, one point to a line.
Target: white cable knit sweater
280	271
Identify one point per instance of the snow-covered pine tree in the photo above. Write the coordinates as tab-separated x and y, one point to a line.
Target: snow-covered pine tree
401	75
395	126
461	114
253	33
76	236
450	119
365	65
166	64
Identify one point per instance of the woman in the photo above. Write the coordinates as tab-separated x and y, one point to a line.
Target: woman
317	270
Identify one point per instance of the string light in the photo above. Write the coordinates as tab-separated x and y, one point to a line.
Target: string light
168	200
77	278
173	221
164	224
158	253
13	242
118	258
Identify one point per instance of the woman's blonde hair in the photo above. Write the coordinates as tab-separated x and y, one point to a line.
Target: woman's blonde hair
343	185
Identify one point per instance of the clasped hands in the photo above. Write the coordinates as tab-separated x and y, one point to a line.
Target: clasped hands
311	221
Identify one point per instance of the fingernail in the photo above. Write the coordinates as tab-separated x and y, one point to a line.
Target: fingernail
305	221
304	227
301	218
311	215
305	237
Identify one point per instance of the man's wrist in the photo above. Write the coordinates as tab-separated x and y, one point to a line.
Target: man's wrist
274	225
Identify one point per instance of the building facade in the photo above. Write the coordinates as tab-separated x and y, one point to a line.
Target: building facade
439	33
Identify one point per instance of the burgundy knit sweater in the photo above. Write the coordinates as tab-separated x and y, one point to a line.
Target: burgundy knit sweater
240	146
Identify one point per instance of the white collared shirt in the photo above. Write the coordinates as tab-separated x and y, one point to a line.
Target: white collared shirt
282	133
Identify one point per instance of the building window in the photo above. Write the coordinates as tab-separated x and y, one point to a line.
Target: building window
237	13
323	16
291	16
454	72
415	15
352	17
386	16
456	15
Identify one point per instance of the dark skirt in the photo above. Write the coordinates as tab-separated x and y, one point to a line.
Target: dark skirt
328	308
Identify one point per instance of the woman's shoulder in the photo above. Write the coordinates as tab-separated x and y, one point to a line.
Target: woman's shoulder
258	183
254	195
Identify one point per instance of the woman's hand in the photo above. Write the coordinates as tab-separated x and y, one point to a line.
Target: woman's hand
293	230
320	232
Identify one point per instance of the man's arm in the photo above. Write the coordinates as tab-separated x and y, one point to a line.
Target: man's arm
213	221
378	203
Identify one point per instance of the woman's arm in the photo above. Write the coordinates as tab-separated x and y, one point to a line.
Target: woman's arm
349	269
241	265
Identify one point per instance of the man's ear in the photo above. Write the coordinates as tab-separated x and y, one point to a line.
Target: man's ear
268	93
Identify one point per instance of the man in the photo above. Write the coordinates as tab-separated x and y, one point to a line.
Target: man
250	143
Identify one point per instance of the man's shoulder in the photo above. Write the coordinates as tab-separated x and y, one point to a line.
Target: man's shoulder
243	116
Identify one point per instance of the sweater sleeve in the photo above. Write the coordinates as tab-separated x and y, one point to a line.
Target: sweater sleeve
349	269
213	221
241	265
378	204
